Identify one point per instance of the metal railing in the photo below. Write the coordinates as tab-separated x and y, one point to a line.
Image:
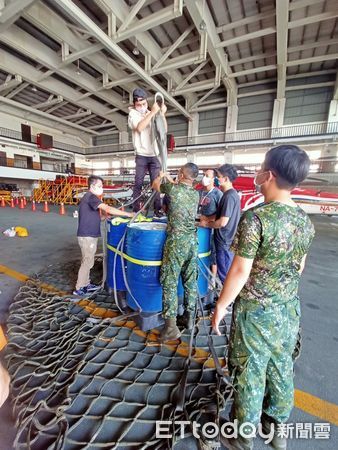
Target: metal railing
13	134
54	167
322	129
261	134
111	148
22	164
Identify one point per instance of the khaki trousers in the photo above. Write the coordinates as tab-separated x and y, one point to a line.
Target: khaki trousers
4	384
88	247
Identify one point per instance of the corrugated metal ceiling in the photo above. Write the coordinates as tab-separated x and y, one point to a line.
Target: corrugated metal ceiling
243	32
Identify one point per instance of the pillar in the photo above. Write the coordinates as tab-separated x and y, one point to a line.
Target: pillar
123	137
193	128
328	155
232	116
278	113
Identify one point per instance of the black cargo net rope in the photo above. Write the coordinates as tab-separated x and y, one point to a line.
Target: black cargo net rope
85	382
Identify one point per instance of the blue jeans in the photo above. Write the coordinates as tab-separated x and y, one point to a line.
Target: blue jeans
146	164
224	259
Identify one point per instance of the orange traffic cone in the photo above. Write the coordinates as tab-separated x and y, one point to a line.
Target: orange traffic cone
45	207
24	201
33	205
21	206
16	201
62	211
3	204
12	202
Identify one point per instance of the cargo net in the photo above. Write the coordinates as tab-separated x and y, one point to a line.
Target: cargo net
85	377
61	278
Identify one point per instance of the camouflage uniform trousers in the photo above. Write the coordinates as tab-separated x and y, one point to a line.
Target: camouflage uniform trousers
179	257
262	341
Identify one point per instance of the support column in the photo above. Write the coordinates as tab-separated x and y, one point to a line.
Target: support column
232	116
282	20
123	137
278	113
123	165
328	155
191	157
332	119
232	111
333	111
36	161
193	128
228	157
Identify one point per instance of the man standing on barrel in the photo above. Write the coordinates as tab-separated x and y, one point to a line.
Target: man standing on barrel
140	121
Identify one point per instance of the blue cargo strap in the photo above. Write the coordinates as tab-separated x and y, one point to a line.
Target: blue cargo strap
142	262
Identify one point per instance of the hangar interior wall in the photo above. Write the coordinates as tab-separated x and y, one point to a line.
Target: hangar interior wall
11	122
307	105
177	125
212	121
255	112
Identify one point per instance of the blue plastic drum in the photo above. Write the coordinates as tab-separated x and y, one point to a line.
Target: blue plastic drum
144	249
114	236
204	260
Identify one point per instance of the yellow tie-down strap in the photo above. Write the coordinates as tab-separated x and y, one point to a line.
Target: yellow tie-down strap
142	262
3	340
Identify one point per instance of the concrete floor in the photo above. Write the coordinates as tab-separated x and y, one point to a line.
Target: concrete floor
53	240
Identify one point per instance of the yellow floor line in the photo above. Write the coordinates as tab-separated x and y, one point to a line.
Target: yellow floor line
22	277
316	407
13	273
308	403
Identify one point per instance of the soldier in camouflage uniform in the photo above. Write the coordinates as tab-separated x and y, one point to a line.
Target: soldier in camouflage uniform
270	247
181	247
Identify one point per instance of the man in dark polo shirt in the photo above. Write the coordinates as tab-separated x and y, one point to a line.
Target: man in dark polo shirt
226	219
210	197
88	231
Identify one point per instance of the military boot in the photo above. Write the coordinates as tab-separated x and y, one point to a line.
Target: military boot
189	320
186	321
170	331
278	442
